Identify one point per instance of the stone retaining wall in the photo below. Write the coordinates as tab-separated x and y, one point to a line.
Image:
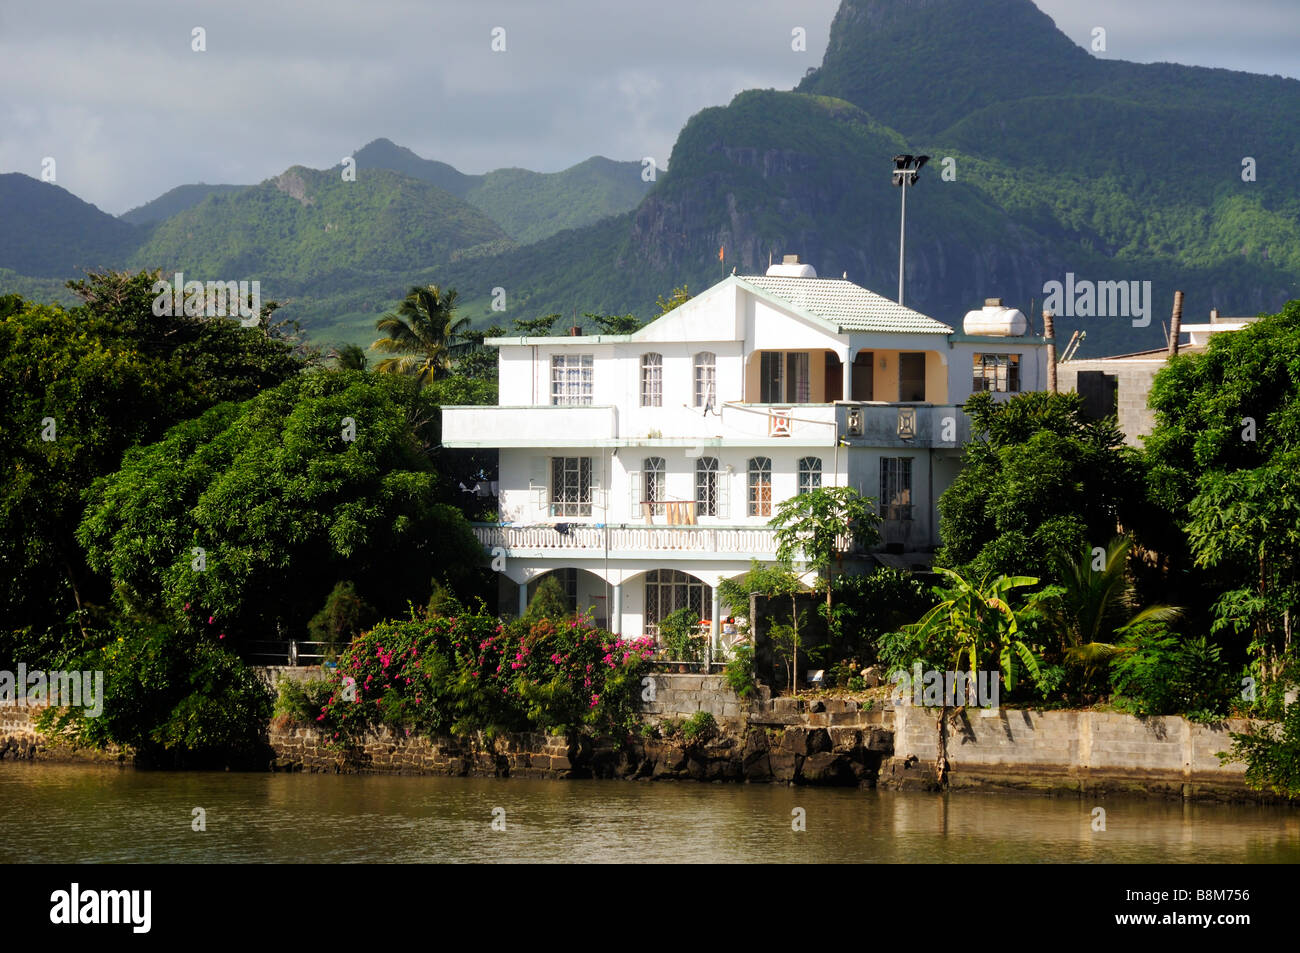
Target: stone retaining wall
20	741
1080	751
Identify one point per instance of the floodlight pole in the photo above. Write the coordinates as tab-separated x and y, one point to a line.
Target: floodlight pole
902	234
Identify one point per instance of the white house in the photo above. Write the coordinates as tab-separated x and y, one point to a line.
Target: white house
644	468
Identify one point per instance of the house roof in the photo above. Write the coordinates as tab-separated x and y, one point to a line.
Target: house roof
846	306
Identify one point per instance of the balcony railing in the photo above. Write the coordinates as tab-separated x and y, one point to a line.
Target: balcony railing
591	541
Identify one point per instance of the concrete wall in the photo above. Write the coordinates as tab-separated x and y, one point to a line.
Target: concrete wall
1134	377
1073	750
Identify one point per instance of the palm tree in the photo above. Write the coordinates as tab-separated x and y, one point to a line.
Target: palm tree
421	335
350	357
1095	607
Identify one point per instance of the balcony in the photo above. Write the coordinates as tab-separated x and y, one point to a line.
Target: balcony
669	542
902	425
567	426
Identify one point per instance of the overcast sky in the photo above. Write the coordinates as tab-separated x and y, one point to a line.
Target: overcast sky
114	92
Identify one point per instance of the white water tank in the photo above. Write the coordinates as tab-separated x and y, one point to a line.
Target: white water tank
995	320
792	267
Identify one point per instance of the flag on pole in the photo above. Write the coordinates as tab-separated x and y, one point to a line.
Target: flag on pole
720	248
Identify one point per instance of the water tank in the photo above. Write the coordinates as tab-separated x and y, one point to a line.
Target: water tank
995	320
792	267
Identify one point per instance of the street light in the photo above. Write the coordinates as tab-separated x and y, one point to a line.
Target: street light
906	170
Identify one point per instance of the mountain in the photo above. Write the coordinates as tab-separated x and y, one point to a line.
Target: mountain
50	233
308	230
174	201
529	205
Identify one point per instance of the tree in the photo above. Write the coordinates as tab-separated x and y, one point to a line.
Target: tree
242	520
548	602
676	299
350	357
1038	480
535	327
775	581
1093	608
421	334
1223	462
822	525
974	620
614	323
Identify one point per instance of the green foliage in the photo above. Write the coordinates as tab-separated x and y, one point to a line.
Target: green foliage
739	671
1156	672
548	602
271	491
676	299
973	621
535	327
1272	755
678	631
813	524
108	374
700	726
420	335
614	323
342	617
867	605
1237	499
469	673
173	697
1038	480
302	701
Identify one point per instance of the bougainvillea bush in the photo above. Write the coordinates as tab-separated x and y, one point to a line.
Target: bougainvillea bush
469	672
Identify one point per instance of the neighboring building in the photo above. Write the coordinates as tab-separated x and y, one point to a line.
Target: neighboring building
644	468
1120	385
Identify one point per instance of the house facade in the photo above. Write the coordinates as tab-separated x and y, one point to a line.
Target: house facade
643	469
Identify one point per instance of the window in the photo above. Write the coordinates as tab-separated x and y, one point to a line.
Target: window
760	486
896	488
571	486
996	372
571	376
667	590
654	481
706	372
706	486
784	377
652	380
810	474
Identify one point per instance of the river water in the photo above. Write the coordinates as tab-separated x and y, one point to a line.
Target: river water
58	813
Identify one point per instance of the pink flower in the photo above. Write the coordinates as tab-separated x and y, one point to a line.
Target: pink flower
210	618
187	607
222	635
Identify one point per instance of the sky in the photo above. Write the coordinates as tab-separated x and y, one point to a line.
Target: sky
117	96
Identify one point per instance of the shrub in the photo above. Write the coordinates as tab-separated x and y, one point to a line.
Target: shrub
740	671
699	727
342	618
548	602
1157	673
467	673
678	633
1272	755
302	701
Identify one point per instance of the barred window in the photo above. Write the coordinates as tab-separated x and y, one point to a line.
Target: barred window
706	486
706	366
571	379
652	380
667	590
896	488
760	486
996	372
571	486
810	474
655	483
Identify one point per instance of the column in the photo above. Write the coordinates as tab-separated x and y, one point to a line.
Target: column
715	626
847	390
616	611
523	599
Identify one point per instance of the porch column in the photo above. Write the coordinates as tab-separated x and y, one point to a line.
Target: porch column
523	599
847	371
714	627
616	611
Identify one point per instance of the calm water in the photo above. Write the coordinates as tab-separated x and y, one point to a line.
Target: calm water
81	813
